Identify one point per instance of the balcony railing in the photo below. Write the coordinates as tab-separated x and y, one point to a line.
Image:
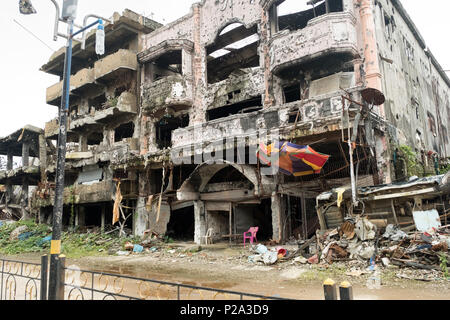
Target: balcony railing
174	90
333	32
110	67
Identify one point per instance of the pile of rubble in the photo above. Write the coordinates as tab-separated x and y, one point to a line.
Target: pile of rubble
360	239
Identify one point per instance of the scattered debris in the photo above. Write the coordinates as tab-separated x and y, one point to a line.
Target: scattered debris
16	232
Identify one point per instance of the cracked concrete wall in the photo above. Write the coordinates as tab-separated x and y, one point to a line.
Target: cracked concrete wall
413	86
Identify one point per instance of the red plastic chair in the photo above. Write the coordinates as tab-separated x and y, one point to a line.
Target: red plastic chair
251	234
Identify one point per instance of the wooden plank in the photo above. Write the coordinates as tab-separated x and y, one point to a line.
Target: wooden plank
217	206
403	194
181	205
242	194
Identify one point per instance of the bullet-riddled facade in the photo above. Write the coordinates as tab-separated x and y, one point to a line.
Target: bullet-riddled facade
173	115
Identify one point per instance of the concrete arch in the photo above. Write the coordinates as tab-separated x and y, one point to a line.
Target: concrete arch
198	180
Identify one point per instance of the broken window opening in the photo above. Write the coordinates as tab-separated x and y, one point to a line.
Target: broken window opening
124	131
235	48
181	225
166	126
170	63
299	224
295	15
118	91
98	102
250	105
432	124
292	93
94	139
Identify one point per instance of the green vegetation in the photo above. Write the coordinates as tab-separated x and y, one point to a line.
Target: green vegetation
444	268
74	245
413	167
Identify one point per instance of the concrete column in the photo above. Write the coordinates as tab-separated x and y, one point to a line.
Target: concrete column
141	215
25	154
103	218
200	221
372	65
198	114
43	157
9	166
82	143
25	183
80	216
277	226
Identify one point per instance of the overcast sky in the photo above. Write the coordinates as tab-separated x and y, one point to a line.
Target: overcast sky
23	86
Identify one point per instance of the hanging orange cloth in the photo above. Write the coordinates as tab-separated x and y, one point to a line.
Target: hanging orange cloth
117	202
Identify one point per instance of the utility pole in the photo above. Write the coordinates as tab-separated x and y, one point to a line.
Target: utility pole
68	16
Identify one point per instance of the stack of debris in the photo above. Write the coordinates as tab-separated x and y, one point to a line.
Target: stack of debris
359	239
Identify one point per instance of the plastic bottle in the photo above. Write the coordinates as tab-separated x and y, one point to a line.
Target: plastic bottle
100	39
374	282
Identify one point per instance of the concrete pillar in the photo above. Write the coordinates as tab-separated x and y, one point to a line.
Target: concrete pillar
82	143
25	154
200	221
103	218
43	157
25	183
277	225
80	216
9	166
198	114
141	215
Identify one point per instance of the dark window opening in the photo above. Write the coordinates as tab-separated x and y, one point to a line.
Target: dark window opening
98	102
235	48
164	129
228	174
295	116
181	225
95	139
168	64
119	91
253	104
292	93
124	131
299	224
432	124
288	20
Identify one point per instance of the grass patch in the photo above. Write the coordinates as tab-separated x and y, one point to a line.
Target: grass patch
73	245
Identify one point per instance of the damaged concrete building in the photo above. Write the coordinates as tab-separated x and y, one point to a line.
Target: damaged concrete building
168	123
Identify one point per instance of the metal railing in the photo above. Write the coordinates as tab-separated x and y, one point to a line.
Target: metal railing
23	280
91	285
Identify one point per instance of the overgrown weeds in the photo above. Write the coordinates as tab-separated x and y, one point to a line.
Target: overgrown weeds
74	245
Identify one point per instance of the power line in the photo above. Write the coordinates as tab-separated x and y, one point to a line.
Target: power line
34	36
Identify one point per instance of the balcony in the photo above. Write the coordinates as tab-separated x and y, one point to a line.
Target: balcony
171	91
316	116
80	194
330	33
115	65
82	80
111	67
237	88
123	106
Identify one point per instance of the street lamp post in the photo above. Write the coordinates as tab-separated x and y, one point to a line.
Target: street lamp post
68	17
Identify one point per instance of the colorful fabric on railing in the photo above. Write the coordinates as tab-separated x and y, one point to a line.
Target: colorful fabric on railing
292	159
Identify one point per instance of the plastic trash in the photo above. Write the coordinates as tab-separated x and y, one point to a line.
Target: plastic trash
374	281
44	240
122	253
270	257
138	248
100	39
282	252
261	249
25	235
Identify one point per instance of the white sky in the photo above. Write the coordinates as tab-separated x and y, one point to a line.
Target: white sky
23	86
